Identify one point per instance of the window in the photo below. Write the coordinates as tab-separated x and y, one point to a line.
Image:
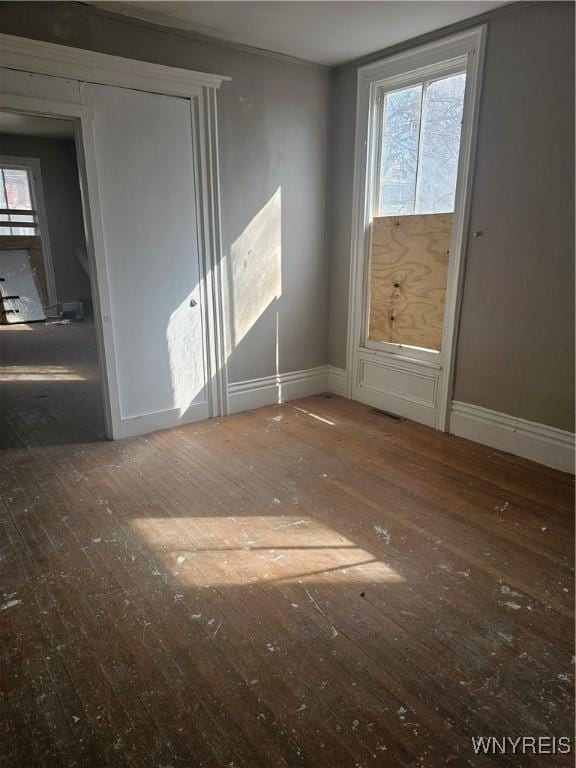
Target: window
416	117
421	127
418	123
17	214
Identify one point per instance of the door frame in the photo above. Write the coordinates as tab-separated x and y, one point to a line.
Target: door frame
72	64
438	377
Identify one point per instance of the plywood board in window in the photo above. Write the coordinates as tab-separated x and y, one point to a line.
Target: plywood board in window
408	278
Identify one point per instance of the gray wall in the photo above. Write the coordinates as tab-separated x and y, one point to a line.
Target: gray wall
339	209
516	340
515	347
63	207
273	135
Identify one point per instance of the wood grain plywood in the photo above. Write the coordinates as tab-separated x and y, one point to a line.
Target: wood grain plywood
408	278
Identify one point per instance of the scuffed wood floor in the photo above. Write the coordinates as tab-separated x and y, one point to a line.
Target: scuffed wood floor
50	390
304	585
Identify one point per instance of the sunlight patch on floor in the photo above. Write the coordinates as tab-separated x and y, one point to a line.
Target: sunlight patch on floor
315	416
208	551
39	373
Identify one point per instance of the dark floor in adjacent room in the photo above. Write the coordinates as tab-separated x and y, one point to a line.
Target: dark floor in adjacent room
50	389
305	585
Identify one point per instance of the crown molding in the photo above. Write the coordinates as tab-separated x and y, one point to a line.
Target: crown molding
57	60
162	26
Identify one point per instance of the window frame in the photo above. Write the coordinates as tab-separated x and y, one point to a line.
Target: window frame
382	91
409	66
19	211
379	90
33	167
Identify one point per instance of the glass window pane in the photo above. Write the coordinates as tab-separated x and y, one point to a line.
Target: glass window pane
443	105
2	193
24	231
400	136
17	218
5	231
21	217
17	189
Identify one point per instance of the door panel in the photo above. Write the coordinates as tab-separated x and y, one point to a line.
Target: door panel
145	167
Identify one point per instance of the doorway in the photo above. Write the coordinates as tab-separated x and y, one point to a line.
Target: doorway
146	142
50	376
416	121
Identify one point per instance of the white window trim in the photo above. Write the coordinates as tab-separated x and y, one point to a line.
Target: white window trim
377	91
32	165
400	70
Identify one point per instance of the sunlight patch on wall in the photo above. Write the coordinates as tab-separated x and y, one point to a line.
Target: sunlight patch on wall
208	551
186	362
255	268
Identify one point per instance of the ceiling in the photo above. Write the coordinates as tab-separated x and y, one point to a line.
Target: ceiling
323	31
29	125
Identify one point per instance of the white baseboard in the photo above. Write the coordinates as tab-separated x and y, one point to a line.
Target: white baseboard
255	393
337	381
545	445
131	426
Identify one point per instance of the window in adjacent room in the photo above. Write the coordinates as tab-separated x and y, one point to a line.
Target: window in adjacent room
17	214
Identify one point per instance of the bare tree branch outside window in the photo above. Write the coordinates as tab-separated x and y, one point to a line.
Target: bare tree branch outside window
420	147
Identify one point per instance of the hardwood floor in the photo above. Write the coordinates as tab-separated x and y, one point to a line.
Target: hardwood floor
50	388
305	585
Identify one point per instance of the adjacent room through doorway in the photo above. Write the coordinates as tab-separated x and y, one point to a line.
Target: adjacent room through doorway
50	384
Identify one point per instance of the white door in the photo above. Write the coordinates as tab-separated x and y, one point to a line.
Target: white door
146	190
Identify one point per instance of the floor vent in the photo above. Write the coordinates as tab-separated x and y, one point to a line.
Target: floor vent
388	415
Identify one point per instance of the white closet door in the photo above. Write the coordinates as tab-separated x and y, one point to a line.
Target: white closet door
145	170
